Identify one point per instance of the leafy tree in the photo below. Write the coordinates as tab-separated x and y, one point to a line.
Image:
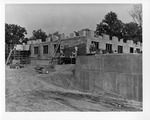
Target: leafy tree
76	33
39	34
136	14
14	34
110	25
133	32
25	40
49	35
57	34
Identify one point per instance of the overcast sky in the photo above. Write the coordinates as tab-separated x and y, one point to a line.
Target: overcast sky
61	17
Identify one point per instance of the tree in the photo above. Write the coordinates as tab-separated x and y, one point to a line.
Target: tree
25	40
132	31
14	34
136	14
39	34
76	33
57	34
51	35
110	25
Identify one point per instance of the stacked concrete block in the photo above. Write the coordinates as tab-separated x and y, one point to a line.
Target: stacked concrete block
72	35
48	39
115	47
100	37
106	37
121	40
41	51
88	43
62	36
126	49
128	41
26	47
102	46
54	38
67	37
38	41
131	42
90	33
82	33
19	47
33	42
32	50
138	43
115	39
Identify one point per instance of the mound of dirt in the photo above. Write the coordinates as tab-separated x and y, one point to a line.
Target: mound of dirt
27	90
62	79
67	67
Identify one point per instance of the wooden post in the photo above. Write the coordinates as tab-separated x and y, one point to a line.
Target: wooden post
9	56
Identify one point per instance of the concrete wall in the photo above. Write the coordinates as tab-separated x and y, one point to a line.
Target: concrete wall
69	42
102	40
105	39
35	62
117	73
40	54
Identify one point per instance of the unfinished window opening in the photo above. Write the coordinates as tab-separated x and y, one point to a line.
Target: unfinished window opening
45	49
55	45
120	49
109	48
137	50
36	50
57	48
131	49
96	44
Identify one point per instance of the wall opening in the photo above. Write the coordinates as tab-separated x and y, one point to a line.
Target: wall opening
36	50
131	50
137	50
57	48
96	44
45	49
120	49
109	48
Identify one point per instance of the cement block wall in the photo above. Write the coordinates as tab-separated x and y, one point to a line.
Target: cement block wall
105	39
117	73
69	42
40	54
35	62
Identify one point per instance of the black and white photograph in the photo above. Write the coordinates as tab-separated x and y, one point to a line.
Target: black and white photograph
74	57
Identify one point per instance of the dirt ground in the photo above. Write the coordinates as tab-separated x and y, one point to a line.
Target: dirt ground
27	90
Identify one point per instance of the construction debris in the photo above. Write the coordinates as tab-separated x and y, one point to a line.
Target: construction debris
44	69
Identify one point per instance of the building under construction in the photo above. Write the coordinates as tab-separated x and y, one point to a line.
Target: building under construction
63	49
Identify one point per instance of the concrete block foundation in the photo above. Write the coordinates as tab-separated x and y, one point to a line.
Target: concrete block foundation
116	73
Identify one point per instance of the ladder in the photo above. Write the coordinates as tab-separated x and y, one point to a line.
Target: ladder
55	52
9	56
